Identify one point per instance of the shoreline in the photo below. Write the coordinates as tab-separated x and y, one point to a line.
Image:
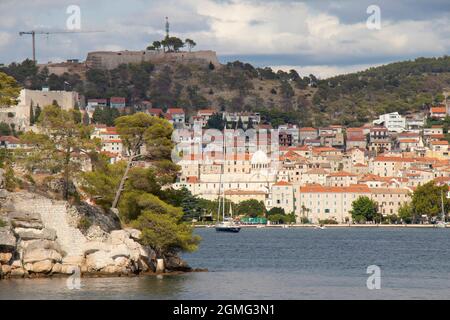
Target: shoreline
308	226
93	275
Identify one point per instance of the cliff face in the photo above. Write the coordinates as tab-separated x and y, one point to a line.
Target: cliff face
110	60
42	237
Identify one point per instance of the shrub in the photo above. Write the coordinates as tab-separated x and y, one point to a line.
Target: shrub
84	224
304	220
2	223
328	221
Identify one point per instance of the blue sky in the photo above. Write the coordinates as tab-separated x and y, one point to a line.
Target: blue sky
321	37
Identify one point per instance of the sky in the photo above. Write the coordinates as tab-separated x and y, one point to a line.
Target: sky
322	37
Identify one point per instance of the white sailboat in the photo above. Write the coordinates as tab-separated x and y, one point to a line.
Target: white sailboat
442	223
227	224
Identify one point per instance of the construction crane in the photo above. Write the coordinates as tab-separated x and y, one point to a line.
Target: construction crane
33	34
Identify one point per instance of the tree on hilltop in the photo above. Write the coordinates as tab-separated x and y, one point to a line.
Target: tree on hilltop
190	43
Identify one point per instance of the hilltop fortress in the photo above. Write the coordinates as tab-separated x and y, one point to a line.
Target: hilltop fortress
110	60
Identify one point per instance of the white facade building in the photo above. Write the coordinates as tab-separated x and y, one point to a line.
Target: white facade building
394	122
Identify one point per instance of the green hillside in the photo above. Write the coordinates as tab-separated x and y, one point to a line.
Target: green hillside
350	99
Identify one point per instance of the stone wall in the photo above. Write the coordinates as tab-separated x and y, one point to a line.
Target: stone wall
42	239
111	60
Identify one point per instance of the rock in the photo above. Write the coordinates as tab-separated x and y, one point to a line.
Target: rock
101	219
119	236
41	255
57	267
4	194
69	269
73	260
175	263
2	178
95	233
33	234
28	267
94	246
16	264
120	250
122	262
6	269
20	219
98	260
113	270
134	233
142	265
40	244
5	257
43	266
7	240
18	272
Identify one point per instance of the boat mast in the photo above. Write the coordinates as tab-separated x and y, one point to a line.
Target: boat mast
442	206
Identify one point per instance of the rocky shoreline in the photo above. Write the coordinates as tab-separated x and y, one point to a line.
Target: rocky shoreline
42	238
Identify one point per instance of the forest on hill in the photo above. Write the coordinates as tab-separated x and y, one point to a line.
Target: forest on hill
350	99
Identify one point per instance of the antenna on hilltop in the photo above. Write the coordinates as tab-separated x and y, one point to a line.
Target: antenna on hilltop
167	27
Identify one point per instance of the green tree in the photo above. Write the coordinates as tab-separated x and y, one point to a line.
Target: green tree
5	129
364	209
251	208
405	213
427	200
9	90
216	121
139	130
163	230
58	145
190	43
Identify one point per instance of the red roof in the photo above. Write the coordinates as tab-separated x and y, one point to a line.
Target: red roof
342	174
117	100
206	111
175	111
192	179
9	139
308	129
356	138
282	183
156	111
442	143
438	110
356	188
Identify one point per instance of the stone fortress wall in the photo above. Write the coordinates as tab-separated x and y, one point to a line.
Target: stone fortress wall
109	60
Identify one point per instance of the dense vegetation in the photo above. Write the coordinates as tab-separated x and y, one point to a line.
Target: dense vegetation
406	87
350	99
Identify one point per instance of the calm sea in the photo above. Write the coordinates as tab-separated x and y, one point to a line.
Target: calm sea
282	264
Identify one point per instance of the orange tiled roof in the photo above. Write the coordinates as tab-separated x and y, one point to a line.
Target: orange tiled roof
342	174
316	188
438	110
282	183
175	111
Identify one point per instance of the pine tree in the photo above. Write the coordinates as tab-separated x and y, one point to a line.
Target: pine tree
86	119
32	118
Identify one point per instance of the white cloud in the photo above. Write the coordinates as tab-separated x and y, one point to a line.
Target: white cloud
5	39
323	38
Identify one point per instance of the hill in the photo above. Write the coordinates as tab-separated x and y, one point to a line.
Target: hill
350	99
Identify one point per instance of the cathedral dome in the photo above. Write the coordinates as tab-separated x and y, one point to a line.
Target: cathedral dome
260	157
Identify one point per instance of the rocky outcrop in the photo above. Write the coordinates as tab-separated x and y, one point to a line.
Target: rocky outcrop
42	238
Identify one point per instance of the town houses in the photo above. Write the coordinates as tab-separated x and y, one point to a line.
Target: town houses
316	173
313	172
